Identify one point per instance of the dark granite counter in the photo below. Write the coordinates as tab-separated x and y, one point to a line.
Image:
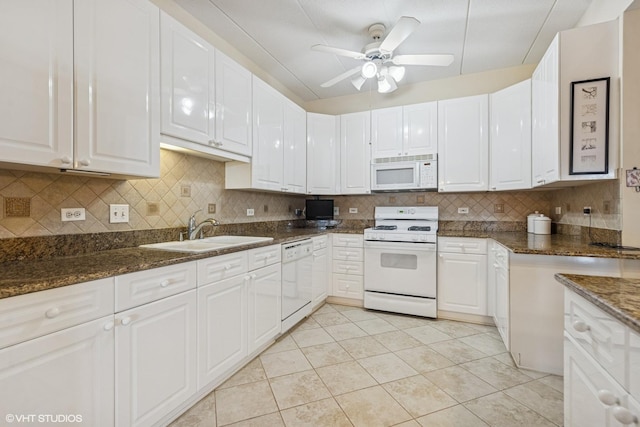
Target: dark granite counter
616	296
25	276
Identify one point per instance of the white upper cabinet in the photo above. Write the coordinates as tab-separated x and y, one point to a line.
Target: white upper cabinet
355	153
295	148
565	62
107	119
116	54
411	130
463	144
233	106
188	83
323	154
36	82
510	142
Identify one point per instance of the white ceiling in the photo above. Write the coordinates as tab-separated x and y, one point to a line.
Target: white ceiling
482	34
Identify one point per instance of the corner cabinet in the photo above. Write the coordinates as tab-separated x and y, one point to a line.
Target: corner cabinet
355	153
410	130
567	61
463	144
96	117
323	154
510	142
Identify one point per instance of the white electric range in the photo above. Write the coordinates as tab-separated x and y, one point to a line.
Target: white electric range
400	260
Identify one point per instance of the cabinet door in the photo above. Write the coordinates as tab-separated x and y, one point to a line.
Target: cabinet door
222	328
188	82
319	276
420	129
355	153
155	359
545	132
233	106
511	138
116	54
68	372
463	144
295	148
267	161
386	133
501	316
265	289
462	283
323	154
36	82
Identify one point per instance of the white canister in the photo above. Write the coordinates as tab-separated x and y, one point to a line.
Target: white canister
530	219
542	225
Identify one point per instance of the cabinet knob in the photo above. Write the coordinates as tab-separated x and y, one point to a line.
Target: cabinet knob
247	278
607	397
66	160
625	416
84	162
108	326
52	312
227	266
253	276
165	283
581	326
125	321
212	142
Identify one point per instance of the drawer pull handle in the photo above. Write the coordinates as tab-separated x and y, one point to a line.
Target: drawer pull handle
580	326
52	312
108	326
607	397
125	321
625	416
165	283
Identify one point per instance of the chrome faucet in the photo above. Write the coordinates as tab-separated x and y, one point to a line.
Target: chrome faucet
193	229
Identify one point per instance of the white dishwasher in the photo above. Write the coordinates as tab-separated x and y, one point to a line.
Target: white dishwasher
297	263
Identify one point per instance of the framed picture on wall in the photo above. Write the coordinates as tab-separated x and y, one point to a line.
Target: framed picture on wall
589	140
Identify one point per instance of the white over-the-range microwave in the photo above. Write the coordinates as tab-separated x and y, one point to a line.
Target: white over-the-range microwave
411	173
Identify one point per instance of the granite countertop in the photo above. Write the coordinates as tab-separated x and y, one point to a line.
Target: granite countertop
616	296
23	277
538	244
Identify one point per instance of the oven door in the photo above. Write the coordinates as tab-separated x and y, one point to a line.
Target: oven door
400	268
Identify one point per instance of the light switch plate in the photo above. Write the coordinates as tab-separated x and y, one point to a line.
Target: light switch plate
118	214
336	210
353	210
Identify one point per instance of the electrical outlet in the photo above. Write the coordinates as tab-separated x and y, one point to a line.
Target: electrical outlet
463	210
558	210
336	210
118	214
606	207
586	210
250	212
72	214
353	210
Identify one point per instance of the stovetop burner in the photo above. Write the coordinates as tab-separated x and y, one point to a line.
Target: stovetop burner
419	228
385	227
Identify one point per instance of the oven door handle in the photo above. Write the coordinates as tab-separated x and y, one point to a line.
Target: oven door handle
405	246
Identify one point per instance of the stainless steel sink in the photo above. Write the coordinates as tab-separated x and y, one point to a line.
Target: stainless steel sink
208	244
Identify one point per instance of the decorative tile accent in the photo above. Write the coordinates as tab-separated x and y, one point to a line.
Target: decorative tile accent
17	207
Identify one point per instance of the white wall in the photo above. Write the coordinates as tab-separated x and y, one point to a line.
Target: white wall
603	10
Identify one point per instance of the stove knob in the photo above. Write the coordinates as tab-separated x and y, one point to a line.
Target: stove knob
381	237
423	237
412	211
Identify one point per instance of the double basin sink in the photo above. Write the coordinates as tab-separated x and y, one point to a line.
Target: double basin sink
208	244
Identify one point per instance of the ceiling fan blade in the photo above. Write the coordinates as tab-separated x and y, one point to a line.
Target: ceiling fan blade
342	76
403	29
338	51
426	59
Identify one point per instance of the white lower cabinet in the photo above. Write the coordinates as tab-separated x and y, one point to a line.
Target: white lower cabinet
348	266
265	290
155	359
462	275
319	270
222	328
69	372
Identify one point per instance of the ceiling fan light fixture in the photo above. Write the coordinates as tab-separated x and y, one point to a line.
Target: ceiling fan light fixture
397	72
358	81
369	69
386	84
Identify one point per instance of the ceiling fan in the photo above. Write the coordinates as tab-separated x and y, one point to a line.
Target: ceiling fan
379	60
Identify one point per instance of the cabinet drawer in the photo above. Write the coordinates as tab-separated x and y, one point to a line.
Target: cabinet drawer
221	267
348	267
150	285
319	242
348	254
597	333
464	245
32	315
261	257
351	240
348	286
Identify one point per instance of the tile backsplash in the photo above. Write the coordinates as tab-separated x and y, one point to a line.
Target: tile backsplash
31	202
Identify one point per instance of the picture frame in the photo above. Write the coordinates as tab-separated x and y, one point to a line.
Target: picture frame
589	138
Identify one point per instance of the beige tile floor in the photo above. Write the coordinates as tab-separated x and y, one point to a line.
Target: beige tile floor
346	366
